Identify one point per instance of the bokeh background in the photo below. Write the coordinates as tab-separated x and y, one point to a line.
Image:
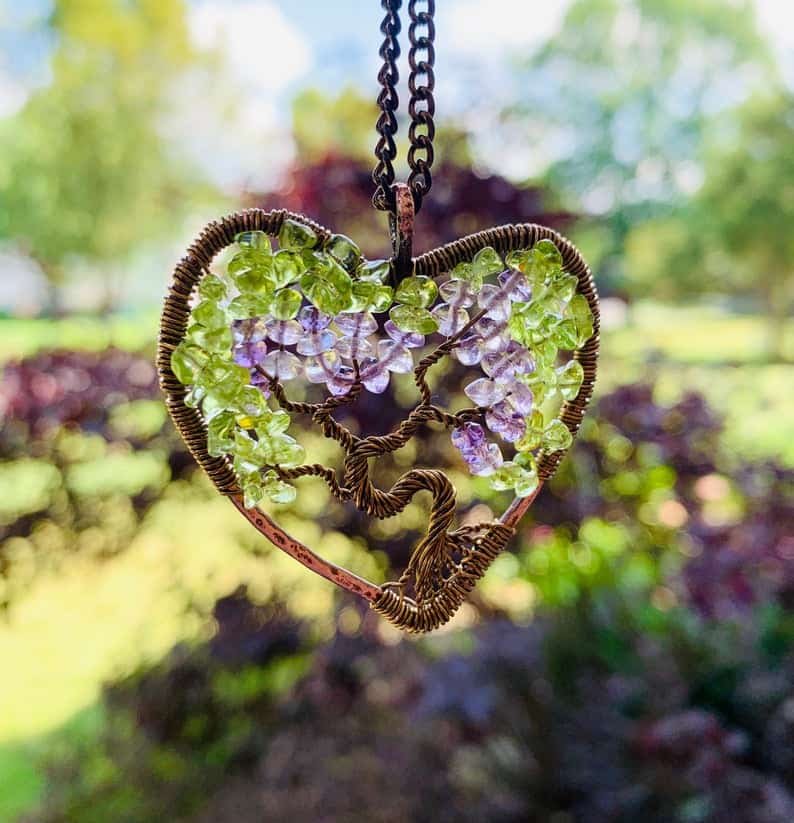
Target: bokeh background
632	656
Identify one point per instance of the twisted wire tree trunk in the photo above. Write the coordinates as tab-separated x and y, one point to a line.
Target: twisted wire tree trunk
440	562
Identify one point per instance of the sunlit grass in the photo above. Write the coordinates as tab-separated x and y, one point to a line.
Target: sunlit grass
90	622
21	337
21	780
697	334
719	354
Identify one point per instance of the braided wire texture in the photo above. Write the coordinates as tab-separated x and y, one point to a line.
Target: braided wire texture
447	563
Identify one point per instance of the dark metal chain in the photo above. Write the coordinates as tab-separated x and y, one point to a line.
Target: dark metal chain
421	107
388	77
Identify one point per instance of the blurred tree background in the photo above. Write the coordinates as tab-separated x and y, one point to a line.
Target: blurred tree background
86	177
630	657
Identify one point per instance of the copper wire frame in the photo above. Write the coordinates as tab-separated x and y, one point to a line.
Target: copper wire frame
446	565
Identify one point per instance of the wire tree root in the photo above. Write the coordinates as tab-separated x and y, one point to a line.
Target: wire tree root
445	565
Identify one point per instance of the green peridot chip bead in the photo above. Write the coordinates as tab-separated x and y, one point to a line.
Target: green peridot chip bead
569	379
522	478
517	327
254	240
250	457
526	483
370	296
563	286
329	288
338	277
220	434
362	295
549	301
246	259
246	469
246	306
273	423
215	403
504	478
517	259
556	436
323	295
194	397
541	392
329	269
252	271
547	250
468	274
545	330
545	353
216	340
253	492
277	490
543	382
313	258
417	291
250	408
286	304
296	236
533	433
212	288
245	448
219	398
281	492
288	266
538	264
413	319
382	299
487	261
258	280
373	271
564	335
186	361
526	460
579	311
527	315
281	450
209	314
245	420
530	325
346	252
218	372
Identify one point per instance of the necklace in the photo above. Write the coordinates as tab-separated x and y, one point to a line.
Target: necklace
271	318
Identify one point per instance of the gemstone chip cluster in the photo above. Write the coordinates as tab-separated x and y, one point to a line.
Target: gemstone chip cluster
317	312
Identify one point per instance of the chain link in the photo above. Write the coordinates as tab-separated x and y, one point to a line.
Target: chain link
421	107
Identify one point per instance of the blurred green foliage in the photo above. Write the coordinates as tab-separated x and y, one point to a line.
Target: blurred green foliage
630	98
343	125
336	125
86	176
735	232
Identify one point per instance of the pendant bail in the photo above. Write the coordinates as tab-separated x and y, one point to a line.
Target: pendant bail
401	227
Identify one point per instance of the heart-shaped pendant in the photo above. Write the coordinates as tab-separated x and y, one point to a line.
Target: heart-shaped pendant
303	329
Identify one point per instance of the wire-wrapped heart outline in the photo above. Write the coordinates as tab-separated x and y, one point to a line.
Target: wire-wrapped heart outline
469	550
